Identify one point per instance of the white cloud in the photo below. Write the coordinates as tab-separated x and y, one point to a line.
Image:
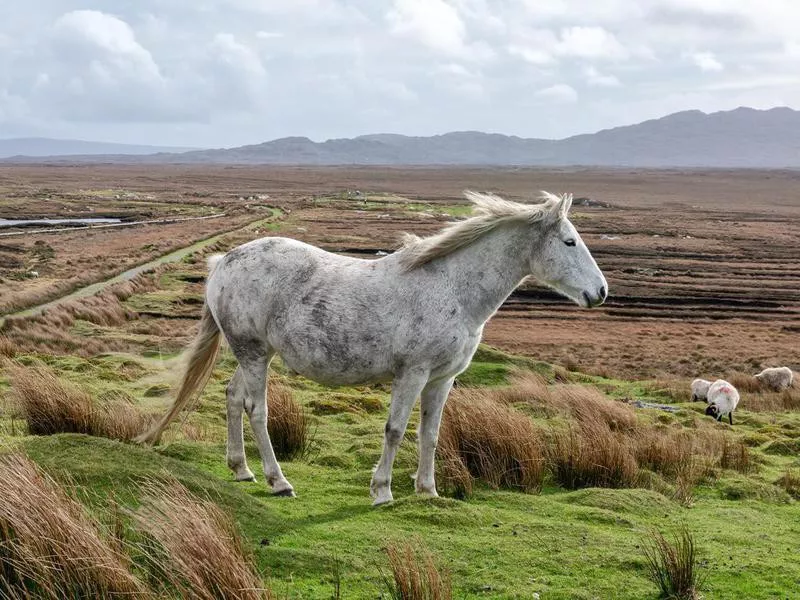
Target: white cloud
595	78
434	23
108	42
706	61
535	56
560	92
590	42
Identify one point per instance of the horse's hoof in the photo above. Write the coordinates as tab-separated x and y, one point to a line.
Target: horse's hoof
287	493
251	478
382	499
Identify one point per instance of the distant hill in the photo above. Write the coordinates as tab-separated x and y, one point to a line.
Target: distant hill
39	147
743	137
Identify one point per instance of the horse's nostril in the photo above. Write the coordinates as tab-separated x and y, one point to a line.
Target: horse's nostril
602	292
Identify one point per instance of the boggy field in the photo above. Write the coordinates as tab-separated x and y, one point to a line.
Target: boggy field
553	478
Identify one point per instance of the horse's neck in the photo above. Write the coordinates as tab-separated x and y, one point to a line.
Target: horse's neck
489	269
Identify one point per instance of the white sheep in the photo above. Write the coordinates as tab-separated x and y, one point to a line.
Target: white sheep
700	389
776	378
722	400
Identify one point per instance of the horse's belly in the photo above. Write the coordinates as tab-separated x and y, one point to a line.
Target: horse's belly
346	368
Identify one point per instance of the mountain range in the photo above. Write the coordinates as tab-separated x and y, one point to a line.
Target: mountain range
45	147
740	138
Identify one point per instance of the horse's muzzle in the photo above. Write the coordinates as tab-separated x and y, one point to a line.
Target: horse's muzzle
596	299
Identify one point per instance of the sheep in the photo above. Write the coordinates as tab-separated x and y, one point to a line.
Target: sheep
700	390
777	378
722	400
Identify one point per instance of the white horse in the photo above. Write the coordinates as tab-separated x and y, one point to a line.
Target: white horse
414	317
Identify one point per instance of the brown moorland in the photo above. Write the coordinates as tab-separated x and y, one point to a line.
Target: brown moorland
703	266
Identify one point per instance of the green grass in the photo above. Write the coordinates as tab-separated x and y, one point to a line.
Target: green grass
580	544
498	544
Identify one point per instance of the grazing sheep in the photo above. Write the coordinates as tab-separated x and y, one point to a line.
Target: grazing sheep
722	400
700	389
777	378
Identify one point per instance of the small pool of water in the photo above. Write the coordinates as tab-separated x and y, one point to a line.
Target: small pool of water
27	222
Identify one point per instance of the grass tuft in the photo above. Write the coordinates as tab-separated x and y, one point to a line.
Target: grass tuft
203	555
591	456
49	547
49	406
415	575
287	423
673	565
492	442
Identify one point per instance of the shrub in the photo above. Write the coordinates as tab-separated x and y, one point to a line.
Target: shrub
493	442
673	565
415	575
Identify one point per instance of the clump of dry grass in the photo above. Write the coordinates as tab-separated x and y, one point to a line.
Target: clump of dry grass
768	401
7	347
744	383
493	442
735	455
677	390
287	423
591	456
673	565
790	481
415	575
49	405
204	556
49	547
669	452
585	404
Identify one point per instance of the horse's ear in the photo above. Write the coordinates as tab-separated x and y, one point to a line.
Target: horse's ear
564	205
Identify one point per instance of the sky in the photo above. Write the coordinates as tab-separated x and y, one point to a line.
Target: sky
220	73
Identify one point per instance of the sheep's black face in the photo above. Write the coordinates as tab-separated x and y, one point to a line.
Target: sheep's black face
711	410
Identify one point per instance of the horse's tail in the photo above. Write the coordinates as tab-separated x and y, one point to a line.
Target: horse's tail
202	357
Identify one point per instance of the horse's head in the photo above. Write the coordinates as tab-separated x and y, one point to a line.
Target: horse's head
561	261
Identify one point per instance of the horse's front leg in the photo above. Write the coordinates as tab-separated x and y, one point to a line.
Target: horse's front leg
431	406
405	390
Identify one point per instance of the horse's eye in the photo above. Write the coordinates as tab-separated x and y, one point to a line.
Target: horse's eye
569	242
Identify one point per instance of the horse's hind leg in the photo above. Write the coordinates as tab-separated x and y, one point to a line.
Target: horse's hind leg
235	396
431	405
254	379
405	390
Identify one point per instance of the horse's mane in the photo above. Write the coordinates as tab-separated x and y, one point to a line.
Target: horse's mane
488	212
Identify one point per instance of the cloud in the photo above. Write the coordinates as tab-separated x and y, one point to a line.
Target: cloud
434	23
595	78
534	56
590	42
706	61
560	92
230	72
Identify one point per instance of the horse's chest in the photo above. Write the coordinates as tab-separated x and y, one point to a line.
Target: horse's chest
457	357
